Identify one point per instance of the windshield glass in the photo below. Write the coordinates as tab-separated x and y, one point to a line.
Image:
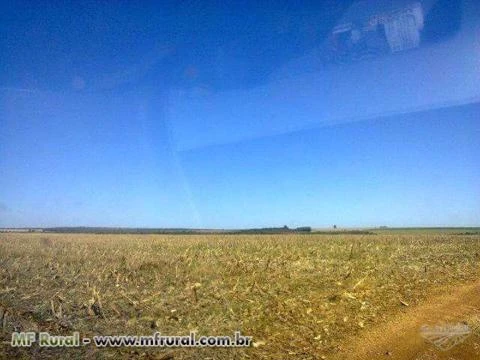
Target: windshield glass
200	114
304	174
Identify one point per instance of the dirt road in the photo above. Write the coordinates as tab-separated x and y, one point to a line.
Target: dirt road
403	337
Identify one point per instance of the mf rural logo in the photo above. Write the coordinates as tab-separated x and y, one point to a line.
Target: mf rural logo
446	336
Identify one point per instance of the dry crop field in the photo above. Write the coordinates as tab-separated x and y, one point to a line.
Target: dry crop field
298	296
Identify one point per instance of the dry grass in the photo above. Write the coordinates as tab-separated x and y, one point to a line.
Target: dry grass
298	296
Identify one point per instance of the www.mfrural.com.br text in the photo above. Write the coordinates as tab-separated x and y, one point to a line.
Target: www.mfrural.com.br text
45	339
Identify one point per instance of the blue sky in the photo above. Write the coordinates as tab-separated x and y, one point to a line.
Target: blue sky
202	114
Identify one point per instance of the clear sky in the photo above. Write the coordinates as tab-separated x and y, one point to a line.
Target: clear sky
213	115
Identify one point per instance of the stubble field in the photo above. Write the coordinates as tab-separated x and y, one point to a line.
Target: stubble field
297	296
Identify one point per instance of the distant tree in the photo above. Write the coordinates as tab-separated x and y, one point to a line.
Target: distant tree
304	229
334	226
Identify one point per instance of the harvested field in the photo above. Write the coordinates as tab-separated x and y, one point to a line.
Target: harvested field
298	296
